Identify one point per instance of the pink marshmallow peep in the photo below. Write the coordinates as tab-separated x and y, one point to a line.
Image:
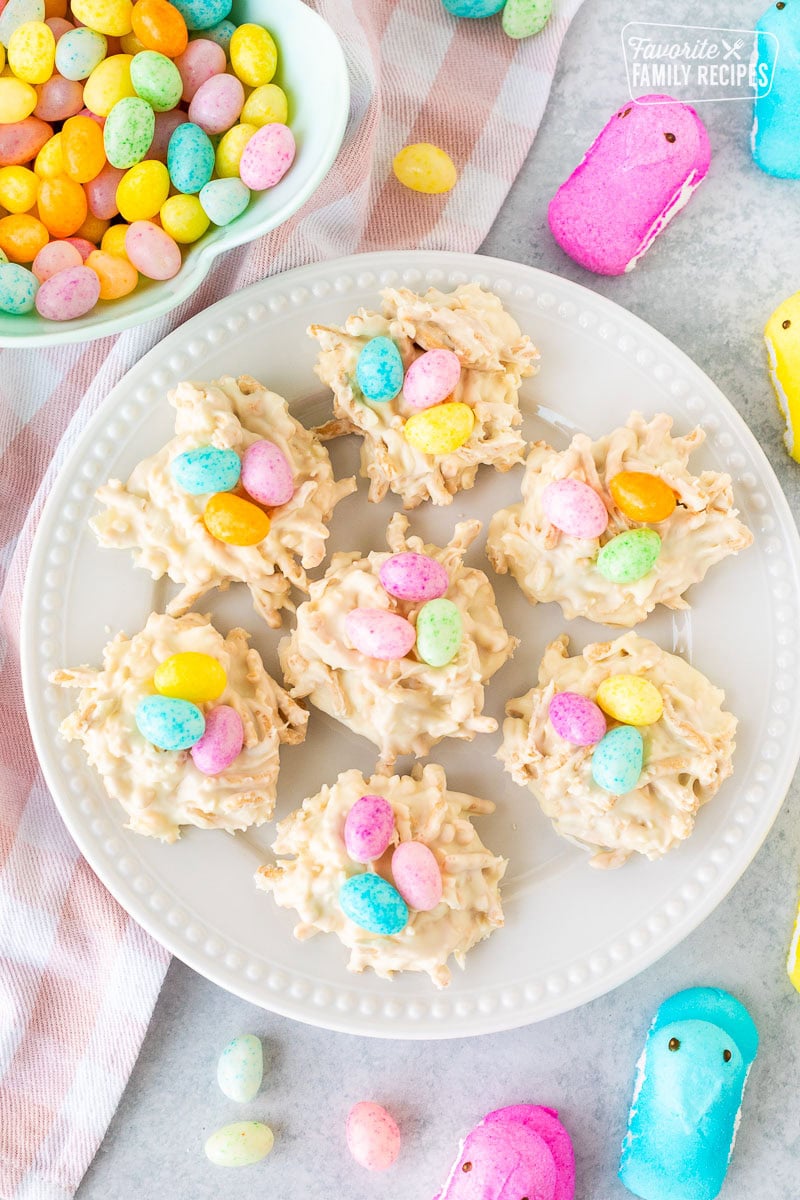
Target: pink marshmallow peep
638	173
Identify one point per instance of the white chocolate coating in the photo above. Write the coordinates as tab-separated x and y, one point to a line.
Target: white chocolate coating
161	790
309	881
687	753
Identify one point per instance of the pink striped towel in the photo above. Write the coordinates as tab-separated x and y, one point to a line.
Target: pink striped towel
78	979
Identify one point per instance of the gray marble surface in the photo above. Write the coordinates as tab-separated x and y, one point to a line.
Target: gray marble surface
709	285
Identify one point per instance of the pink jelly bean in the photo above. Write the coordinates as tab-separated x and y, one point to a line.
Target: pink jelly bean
221	743
372	1136
417	876
101	193
368	829
414	577
68	294
82	245
166	124
378	633
267	474
431	378
55	257
152	251
59	98
59	26
577	719
267	156
199	62
575	508
23	140
217	103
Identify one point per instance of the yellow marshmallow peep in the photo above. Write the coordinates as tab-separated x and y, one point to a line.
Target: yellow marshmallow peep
782	335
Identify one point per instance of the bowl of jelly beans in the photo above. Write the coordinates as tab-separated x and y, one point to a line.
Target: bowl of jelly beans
140	139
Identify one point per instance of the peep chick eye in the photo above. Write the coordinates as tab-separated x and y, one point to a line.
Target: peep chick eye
780	4
466	1167
674	1044
786	325
670	137
625	113
727	1056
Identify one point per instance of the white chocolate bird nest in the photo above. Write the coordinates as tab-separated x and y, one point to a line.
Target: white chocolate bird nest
161	790
687	752
549	565
424	810
163	524
495	357
402	705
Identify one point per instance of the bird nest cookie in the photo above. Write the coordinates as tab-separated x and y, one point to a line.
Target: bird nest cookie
609	529
404	667
634	783
185	512
429	833
428	426
234	785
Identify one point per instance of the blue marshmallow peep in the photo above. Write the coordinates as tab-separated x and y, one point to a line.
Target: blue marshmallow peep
775	136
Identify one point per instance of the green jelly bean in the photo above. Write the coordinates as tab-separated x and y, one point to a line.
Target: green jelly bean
523	18
629	555
439	632
240	1144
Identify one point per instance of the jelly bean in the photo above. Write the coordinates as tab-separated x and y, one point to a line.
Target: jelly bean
206	470
18	188
112	17
267	156
17	100
476	9
101	192
234	520
83	247
152	251
642	496
793	961
240	1144
217	103
378	633
254	55
440	430
379	370
128	132
98	120
54	257
220	34
59	26
109	83
190	158
17	288
417	876
82	149
373	1138
576	719
16	13
22	237
191	676
523	18
168	722
183	218
114	241
575	508
222	742
267	474
415	577
59	99
79	52
431	378
32	52
240	1069
264	105
156	79
630	699
117	276
159	26
629	556
62	206
423	167
68	294
200	61
439	632
373	904
230	149
166	124
92	229
369	828
23	141
203	14
224	200
142	191
49	162
130	44
617	760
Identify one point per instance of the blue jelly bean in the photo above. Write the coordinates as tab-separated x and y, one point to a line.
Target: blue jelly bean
221	34
206	469
373	904
168	723
617	760
18	288
379	370
776	117
473	8
223	200
190	158
203	14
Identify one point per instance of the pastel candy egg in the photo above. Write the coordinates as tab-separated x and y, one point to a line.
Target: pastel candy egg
222	742
224	200
68	294
630	699
169	723
373	1138
523	18
439	632
629	556
54	257
182	217
156	80
576	719
143	190
378	633
101	192
82	149
617	760
190	158
17	100
417	876
220	34
415	577
203	14
379	370
217	103
240	1069
159	26
165	125
642	496
22	141
199	61
253	54
152	251
575	508
108	83
234	520
32	52
112	17
206	469
128	131
431	378
424	167
267	474
61	204
59	99
369	828
240	1145
266	104
117	276
267	156
18	189
231	148
17	288
59	25
190	675
440	430
373	904
475	9
22	237
16	13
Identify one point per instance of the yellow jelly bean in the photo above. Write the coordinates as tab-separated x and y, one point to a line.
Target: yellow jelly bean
630	699
32	52
642	496
793	962
18	188
17	100
184	218
22	237
114	241
191	676
2	57
130	44
142	190
440	430
240	1145
266	105
108	83
117	276
93	229
254	55
112	17
231	519
82	148
49	163
423	167
229	150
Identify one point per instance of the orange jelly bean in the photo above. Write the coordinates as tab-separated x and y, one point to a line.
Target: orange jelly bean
82	149
159	26
234	520
117	276
642	497
22	237
55	8
62	206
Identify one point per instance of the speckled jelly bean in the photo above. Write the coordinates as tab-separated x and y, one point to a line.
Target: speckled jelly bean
83	247
183	218
68	294
230	149
378	633
117	276
55	257
190	675
156	79
629	556
109	83
18	189
373	904
78	52
203	14
253	54
18	288
206	469
222	742
617	760
523	18
59	99
159	26
190	158
16	13
267	156
575	508
111	17
576	719
17	100
415	577
22	141
217	103
152	251
372	1136
426	168
32	52
220	34
128	131
369	828
476	9
169	723
439	632
267	474
201	60
142	191
417	875
440	430
239	1145
234	520
240	1069
642	496
265	105
630	699
224	200
379	370
431	378
101	192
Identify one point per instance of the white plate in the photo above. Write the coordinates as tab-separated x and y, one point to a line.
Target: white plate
571	933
